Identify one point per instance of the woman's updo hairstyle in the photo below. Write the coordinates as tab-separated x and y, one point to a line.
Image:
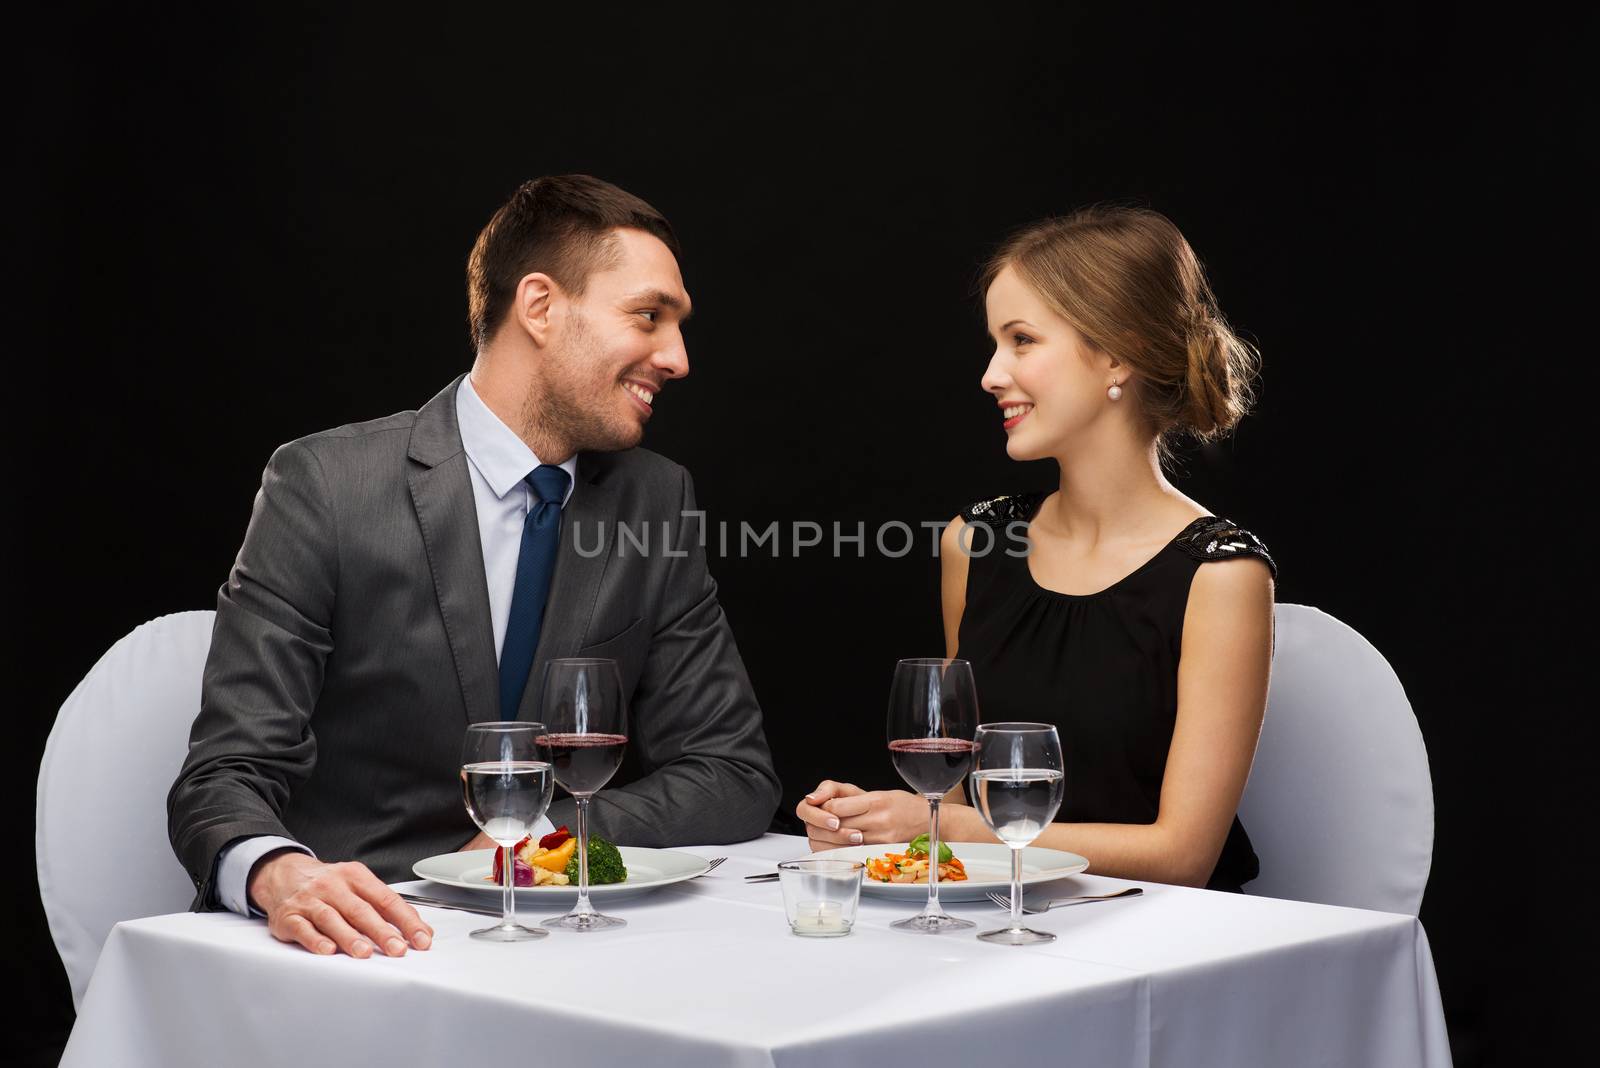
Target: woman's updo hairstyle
1126	279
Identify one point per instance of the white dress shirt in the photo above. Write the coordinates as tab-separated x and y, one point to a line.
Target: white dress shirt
500	461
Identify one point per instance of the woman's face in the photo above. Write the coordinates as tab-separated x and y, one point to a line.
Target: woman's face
1049	382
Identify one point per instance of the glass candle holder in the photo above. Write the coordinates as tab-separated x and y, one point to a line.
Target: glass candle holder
820	896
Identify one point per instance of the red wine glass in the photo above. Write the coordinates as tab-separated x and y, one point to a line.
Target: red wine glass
933	714
585	736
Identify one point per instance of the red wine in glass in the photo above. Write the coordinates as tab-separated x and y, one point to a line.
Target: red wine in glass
585	734
933	714
584	762
930	766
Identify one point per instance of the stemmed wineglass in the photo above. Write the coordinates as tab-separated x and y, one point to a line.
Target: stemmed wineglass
933	710
585	736
506	785
1017	783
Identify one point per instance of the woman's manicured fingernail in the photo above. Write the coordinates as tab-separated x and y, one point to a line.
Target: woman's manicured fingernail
421	940
396	947
325	947
360	948
855	837
833	823
812	798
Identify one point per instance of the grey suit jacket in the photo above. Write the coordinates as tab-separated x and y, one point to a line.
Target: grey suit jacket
353	645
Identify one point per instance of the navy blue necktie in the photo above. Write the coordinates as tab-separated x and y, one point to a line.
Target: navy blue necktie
536	562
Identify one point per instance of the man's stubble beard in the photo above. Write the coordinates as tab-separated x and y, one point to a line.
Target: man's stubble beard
554	408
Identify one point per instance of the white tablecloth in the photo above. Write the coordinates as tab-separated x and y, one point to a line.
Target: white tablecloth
707	973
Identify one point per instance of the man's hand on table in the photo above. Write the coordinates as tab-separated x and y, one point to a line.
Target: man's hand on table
328	907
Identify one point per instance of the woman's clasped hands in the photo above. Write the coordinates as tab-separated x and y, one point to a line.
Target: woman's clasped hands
843	814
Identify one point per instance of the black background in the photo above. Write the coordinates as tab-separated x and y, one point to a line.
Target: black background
236	233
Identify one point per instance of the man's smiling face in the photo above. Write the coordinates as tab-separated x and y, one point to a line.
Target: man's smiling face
617	346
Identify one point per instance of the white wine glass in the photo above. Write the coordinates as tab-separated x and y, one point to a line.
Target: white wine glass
1017	785
506	786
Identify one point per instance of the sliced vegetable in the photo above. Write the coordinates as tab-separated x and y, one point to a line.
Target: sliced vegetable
499	854
556	859
555	837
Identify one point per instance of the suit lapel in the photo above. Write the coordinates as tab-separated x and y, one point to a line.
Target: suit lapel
441	492
588	533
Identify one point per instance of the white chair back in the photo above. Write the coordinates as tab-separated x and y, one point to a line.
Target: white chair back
1339	805
101	824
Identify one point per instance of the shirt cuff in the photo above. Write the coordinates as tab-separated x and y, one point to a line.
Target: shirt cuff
233	869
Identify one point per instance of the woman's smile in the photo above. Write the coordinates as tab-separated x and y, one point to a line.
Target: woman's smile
1014	412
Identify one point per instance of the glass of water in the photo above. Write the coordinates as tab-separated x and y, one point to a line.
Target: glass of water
1016	787
506	787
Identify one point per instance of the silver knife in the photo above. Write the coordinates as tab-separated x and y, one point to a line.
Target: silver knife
439	903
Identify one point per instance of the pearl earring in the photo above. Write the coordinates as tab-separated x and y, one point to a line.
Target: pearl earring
1115	392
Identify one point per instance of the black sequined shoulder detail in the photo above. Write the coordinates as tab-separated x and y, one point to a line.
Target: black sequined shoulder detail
1214	538
998	511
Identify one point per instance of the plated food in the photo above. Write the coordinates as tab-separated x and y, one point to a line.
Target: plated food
553	861
647	870
912	865
987	866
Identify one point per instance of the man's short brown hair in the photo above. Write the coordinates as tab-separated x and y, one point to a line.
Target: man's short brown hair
559	225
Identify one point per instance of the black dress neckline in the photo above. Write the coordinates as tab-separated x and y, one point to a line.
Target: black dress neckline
1033	510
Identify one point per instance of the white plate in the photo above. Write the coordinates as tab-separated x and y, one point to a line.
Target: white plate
988	867
648	869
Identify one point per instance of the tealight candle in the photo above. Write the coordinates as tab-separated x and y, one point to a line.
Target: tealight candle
820	896
819	916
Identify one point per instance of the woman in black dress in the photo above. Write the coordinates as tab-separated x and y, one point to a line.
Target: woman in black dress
1114	607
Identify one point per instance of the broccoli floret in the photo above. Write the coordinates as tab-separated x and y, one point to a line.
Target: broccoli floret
605	863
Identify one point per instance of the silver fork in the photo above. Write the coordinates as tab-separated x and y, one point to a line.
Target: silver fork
711	865
1033	910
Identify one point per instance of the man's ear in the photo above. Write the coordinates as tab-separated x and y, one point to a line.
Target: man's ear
533	304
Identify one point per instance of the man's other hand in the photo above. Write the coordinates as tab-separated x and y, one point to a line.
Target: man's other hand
328	907
479	841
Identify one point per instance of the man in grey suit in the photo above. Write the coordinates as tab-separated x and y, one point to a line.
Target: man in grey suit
387	594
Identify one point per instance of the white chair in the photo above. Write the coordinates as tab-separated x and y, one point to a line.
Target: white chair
101	824
1339	805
